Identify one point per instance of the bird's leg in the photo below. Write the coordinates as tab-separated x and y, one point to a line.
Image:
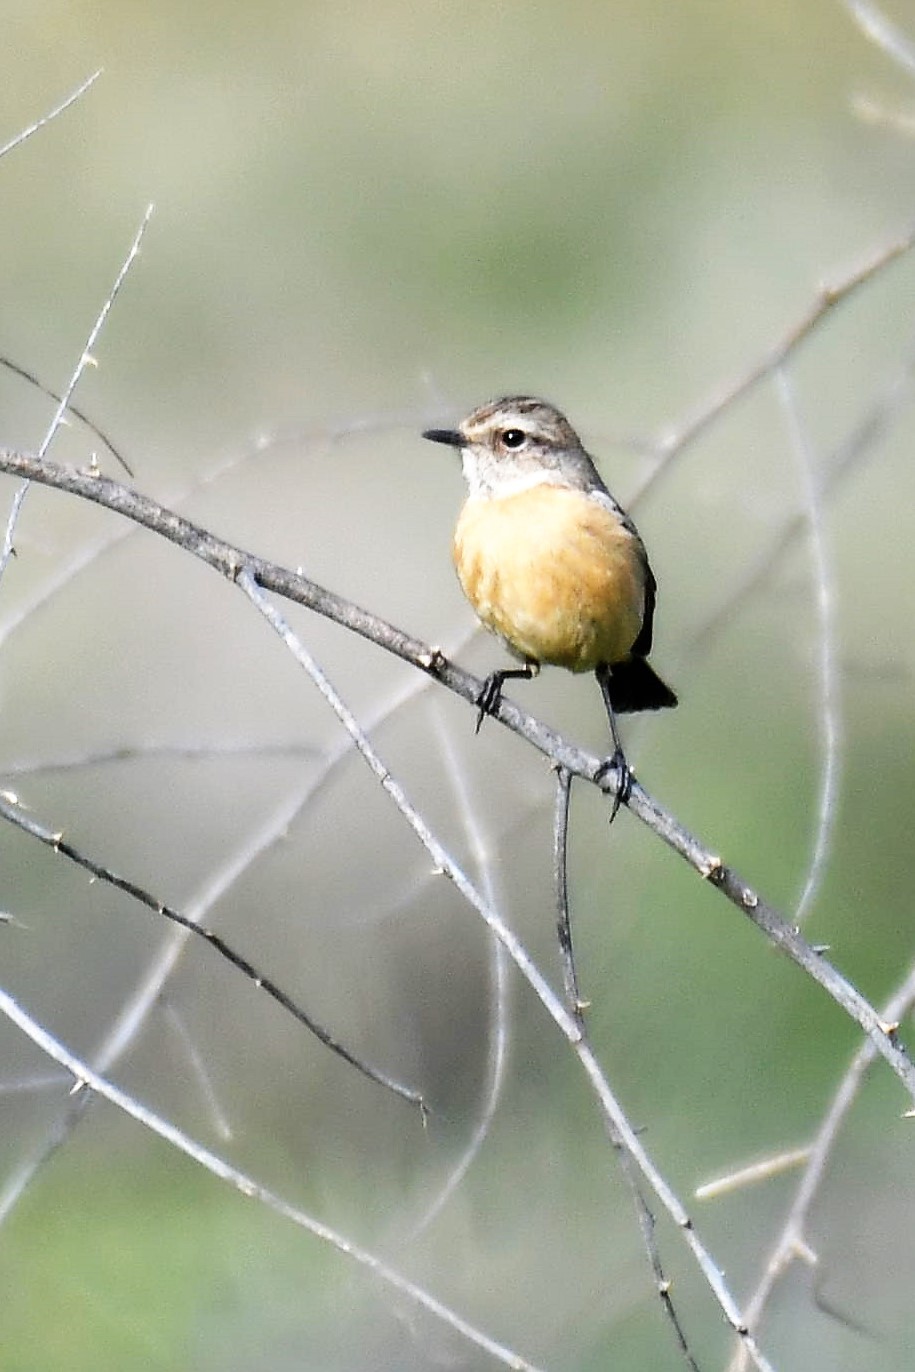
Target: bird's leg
487	702
618	761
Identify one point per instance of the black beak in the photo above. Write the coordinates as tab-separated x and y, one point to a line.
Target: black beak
450	437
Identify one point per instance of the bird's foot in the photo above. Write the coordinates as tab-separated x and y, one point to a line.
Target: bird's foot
624	775
489	699
487	702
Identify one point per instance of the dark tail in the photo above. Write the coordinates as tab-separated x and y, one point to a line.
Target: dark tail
633	686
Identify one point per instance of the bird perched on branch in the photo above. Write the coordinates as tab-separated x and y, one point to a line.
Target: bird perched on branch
550	562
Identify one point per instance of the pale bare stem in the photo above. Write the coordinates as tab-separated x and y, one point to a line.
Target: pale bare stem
14	814
27	1086
576	1008
46	119
86	1077
199	1068
86	359
874	24
792	1243
843	460
561	887
830	708
675	441
613	1114
497	1056
59	1133
6	552
229	560
752	1174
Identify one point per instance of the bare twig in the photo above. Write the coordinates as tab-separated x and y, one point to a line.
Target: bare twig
86	359
843	460
830	724
874	24
621	1131
499	1034
229	560
754	1172
46	118
198	1067
576	1009
672	443
90	424
792	1243
26	1086
86	1077
561	887
11	811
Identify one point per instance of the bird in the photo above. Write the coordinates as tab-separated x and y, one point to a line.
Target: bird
551	563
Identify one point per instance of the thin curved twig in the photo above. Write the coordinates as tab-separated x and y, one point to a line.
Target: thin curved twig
829	712
9	365
843	460
86	359
561	888
12	812
500	1030
46	118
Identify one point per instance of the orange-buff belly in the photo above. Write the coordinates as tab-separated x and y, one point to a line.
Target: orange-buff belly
555	574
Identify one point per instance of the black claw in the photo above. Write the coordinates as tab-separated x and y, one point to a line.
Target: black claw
617	763
487	702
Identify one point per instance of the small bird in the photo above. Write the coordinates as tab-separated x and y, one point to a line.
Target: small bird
550	562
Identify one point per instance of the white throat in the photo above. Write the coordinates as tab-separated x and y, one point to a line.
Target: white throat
488	479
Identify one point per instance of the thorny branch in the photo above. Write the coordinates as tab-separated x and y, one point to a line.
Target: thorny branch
229	560
621	1132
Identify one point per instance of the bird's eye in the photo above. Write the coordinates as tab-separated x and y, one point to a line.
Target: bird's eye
513	438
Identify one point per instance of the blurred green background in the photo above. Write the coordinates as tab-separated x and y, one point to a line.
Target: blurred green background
370	217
